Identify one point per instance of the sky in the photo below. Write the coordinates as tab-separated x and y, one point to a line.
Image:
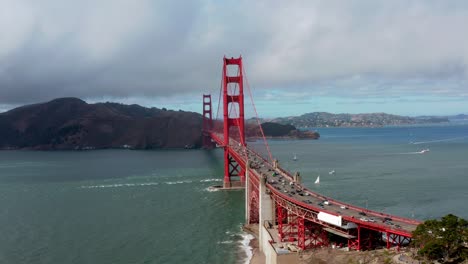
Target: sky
400	57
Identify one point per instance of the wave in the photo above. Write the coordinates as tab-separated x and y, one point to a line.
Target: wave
226	242
118	185
211	189
177	182
245	246
211	180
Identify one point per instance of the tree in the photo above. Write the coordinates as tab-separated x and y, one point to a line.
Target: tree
442	239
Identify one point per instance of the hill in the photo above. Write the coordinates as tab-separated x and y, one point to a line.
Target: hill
287	131
70	123
323	119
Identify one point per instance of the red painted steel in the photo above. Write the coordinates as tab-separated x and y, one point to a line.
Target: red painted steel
207	121
231	97
280	215
296	220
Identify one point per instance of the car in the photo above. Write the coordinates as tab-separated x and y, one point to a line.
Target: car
364	219
326	202
387	219
343	207
371	220
307	194
362	213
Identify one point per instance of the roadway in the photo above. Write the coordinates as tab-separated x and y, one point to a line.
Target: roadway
281	184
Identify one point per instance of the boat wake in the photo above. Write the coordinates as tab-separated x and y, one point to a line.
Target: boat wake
413	153
438	140
119	185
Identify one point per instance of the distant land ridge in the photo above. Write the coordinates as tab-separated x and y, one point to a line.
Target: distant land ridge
276	130
71	123
324	119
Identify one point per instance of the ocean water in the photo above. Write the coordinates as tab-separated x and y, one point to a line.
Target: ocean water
121	206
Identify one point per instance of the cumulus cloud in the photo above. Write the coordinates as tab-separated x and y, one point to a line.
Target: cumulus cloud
128	48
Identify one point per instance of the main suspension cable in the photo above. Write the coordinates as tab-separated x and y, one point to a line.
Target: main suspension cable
256	115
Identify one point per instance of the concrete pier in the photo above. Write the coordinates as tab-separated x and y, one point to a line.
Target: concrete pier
266	210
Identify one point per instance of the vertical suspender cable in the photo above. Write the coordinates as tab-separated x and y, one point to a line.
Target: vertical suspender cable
256	115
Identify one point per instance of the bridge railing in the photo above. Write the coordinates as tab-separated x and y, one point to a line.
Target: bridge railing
235	145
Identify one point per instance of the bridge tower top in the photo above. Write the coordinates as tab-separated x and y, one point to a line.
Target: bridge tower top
233	96
207	121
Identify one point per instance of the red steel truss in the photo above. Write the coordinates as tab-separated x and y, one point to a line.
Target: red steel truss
296	221
207	121
232	96
292	227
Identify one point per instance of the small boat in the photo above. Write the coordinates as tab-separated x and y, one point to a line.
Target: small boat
295	157
317	181
332	172
424	151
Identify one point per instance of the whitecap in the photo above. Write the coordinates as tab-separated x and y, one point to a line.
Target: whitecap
211	180
177	182
226	242
211	189
245	246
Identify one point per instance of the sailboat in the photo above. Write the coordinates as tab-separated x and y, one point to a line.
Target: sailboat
295	157
317	181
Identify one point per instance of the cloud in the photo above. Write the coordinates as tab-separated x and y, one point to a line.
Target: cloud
159	49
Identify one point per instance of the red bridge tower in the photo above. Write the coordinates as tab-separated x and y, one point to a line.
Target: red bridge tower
233	96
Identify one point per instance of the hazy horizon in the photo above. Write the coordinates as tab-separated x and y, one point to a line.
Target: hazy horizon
247	117
399	57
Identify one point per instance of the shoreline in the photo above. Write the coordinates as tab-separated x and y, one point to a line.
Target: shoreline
256	257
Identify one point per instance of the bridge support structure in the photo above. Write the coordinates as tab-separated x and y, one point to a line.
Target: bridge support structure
266	208
296	228
207	122
234	174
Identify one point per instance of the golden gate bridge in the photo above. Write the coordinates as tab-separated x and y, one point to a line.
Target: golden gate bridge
274	198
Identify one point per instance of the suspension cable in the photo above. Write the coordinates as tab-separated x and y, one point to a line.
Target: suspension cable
220	89
256	115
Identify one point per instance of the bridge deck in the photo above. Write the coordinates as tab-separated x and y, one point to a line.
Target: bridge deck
281	184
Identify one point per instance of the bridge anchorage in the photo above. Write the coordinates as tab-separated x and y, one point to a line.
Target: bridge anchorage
287	213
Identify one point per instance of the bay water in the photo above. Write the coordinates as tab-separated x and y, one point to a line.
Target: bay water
129	206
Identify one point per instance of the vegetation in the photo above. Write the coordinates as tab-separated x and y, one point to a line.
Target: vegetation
323	119
276	130
445	240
